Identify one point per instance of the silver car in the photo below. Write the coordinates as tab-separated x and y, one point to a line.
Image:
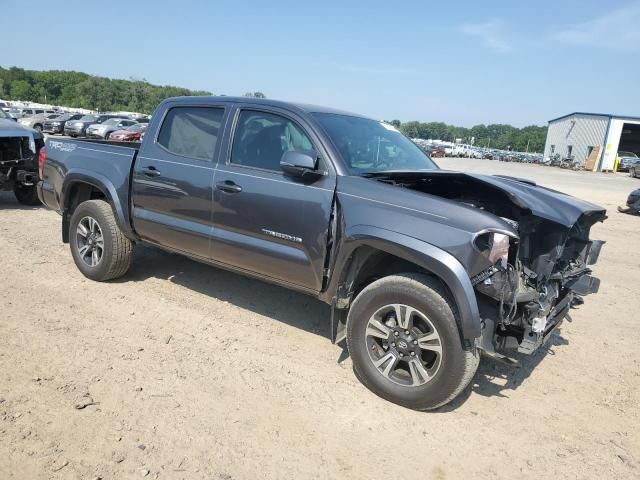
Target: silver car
103	130
37	121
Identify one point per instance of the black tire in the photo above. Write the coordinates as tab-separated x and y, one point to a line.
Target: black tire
427	295
27	195
117	250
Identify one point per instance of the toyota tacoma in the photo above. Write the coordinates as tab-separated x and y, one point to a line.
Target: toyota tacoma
424	269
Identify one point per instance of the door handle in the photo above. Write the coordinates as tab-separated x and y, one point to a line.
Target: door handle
151	171
228	186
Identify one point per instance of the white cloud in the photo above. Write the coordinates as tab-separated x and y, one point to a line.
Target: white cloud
617	30
490	34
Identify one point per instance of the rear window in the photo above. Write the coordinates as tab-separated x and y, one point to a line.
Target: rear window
191	131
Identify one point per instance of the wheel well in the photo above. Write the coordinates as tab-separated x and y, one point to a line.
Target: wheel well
78	192
367	265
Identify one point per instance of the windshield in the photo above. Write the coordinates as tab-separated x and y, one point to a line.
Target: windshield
111	121
4	114
135	128
370	146
89	118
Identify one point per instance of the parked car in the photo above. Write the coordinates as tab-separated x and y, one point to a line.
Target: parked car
141	119
423	268
57	124
20	112
78	128
19	152
634	169
625	160
37	121
104	130
129	134
633	203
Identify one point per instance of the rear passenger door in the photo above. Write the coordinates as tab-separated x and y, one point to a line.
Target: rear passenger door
173	179
266	222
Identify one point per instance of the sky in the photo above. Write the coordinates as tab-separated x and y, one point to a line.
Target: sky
463	63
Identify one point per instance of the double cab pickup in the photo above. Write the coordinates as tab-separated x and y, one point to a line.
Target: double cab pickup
424	269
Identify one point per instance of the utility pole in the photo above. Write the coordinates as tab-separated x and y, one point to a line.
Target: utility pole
528	145
489	142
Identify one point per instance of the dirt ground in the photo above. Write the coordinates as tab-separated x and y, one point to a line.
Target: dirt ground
183	371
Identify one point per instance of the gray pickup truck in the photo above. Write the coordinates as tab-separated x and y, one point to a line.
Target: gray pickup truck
424	269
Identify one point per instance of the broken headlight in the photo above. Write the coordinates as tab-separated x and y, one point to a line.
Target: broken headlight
495	247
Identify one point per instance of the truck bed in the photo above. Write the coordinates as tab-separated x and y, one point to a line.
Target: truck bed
107	165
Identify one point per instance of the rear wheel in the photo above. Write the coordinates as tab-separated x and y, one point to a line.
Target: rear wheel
99	248
27	195
403	339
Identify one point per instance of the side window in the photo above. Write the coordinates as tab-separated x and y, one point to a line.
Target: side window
261	139
191	131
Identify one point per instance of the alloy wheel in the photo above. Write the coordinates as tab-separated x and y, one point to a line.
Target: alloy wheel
90	241
404	345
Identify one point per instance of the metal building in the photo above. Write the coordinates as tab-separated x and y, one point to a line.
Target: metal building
592	139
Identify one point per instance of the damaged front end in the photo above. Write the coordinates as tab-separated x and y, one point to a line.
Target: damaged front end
528	274
525	297
18	155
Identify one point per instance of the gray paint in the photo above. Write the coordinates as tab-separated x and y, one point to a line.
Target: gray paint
185	205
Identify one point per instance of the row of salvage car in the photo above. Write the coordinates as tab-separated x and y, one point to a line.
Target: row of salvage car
105	126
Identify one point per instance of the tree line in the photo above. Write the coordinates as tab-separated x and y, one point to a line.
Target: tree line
81	90
500	136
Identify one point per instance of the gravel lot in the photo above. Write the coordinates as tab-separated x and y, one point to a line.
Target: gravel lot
180	370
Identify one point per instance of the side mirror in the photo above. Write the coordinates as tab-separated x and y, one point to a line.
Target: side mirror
299	163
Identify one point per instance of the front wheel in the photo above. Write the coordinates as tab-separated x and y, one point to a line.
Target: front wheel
27	195
99	248
404	342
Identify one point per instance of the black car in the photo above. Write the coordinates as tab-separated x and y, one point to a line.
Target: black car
633	203
423	268
19	153
56	125
78	128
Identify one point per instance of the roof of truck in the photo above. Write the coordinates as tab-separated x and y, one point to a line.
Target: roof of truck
266	101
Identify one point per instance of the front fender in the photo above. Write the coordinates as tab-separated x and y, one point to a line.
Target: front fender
427	256
103	184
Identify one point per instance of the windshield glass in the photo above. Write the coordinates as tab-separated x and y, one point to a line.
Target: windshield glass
371	146
89	118
111	121
135	128
627	154
4	114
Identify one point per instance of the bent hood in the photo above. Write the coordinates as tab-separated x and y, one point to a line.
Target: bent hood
9	128
542	202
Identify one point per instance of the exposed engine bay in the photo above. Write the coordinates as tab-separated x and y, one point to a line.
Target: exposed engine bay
18	158
536	269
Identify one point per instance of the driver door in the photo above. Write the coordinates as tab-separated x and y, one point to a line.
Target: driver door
266	222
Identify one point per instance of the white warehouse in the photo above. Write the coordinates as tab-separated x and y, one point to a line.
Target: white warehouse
592	139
